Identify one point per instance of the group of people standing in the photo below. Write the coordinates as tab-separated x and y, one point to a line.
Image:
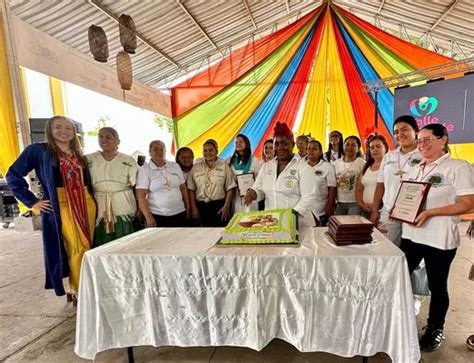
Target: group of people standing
90	200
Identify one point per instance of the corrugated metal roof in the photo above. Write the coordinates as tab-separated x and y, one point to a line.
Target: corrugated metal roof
184	47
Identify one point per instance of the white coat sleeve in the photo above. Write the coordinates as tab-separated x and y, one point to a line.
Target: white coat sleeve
308	190
258	184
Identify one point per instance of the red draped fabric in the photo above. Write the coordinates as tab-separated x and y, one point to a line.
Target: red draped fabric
416	56
289	106
362	103
203	85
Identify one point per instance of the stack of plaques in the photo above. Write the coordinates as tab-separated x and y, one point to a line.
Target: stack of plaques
347	230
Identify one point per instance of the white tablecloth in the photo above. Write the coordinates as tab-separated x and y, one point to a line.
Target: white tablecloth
173	287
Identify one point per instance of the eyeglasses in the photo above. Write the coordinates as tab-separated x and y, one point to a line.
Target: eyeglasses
427	140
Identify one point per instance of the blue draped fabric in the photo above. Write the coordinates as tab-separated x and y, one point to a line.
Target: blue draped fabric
258	123
368	73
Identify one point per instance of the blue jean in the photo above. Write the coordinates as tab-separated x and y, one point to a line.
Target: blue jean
347	209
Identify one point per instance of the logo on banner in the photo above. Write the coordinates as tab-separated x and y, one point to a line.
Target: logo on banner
423	106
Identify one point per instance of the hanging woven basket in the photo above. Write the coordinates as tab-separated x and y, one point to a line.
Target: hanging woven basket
128	35
124	70
98	43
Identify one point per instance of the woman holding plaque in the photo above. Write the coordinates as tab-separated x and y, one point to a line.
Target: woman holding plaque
243	165
211	188
435	235
348	169
377	147
161	190
393	170
325	173
286	181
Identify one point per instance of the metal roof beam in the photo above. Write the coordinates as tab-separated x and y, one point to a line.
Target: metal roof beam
197	24
250	14
144	40
380	7
440	19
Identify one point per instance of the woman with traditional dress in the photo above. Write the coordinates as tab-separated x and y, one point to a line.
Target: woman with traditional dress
67	205
113	177
243	162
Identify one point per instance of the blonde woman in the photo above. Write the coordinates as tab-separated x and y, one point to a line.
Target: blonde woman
67	206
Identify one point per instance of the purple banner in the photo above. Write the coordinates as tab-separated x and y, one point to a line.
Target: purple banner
448	102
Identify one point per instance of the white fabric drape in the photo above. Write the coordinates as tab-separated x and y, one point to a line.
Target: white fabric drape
173	287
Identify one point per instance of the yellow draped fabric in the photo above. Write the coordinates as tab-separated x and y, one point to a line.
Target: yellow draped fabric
463	151
56	96
9	148
315	109
328	95
341	114
75	242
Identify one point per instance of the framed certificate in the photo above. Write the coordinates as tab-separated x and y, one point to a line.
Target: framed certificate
245	182
410	201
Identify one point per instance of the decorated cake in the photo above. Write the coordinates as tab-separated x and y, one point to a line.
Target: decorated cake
261	227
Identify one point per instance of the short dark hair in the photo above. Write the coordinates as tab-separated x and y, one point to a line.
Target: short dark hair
359	144
182	150
320	148
439	131
408	119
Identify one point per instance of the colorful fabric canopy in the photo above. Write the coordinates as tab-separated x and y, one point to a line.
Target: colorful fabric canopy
309	75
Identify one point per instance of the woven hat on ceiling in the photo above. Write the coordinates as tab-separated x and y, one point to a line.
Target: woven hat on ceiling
124	70
98	43
128	35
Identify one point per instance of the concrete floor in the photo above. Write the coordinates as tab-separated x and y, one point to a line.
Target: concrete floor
37	326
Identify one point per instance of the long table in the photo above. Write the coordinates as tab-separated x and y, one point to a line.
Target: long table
174	287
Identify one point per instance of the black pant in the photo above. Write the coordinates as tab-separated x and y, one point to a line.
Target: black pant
437	264
178	220
208	213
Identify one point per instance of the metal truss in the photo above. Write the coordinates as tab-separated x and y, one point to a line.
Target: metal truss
436	72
